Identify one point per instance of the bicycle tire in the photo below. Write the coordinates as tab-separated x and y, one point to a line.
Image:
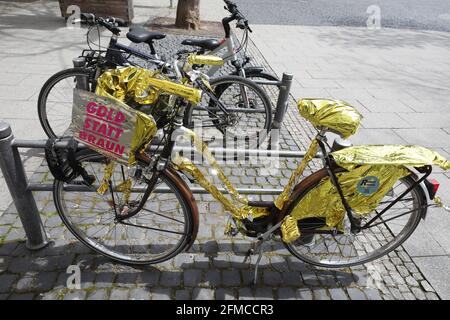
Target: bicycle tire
405	233
220	84
49	125
170	178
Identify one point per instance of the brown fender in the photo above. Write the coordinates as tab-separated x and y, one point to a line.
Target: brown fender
187	194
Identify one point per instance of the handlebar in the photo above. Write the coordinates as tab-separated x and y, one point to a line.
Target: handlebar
109	23
242	22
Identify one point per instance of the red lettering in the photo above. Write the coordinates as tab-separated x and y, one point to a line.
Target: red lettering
82	135
118	132
86	123
120	117
101	112
102	129
110	145
101	143
91	107
96	124
91	139
119	149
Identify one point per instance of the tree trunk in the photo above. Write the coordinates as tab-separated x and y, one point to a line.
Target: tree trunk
188	14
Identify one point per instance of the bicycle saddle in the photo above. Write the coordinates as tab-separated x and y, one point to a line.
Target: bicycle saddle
207	44
139	34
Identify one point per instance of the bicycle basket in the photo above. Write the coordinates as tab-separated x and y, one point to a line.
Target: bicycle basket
110	127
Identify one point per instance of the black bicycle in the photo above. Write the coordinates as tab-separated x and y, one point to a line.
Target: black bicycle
235	107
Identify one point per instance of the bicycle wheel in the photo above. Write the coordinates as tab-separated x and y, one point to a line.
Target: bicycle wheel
346	249
56	98
249	108
162	228
272	91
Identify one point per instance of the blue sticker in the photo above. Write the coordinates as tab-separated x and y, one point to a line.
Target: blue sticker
368	185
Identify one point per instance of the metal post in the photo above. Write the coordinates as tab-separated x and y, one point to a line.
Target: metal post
16	180
280	111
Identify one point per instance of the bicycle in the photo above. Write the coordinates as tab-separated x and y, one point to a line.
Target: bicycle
364	203
247	102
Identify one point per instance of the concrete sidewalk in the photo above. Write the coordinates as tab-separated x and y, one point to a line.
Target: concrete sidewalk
399	80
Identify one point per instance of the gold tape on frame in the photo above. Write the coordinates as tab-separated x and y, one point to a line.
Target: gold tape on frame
205	59
241	210
284	196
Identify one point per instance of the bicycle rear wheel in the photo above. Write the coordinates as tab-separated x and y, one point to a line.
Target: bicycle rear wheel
347	249
249	108
160	230
56	98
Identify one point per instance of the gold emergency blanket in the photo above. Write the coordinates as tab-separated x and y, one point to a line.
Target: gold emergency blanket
415	156
205	59
335	115
363	187
110	127
141	85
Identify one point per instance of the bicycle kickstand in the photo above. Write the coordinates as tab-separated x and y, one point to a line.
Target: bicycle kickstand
257	248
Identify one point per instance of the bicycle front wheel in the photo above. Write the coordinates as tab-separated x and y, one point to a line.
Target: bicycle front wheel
249	113
347	249
56	98
160	229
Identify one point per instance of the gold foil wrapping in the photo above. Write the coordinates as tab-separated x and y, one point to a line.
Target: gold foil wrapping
107	174
205	59
334	115
324	201
289	229
415	156
284	196
142	86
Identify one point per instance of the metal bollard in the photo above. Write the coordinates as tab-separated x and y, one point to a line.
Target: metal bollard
17	182
280	111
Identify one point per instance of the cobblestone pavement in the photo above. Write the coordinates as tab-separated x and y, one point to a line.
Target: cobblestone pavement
214	269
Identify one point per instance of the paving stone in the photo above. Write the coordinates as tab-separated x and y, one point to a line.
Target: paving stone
126	279
170	279
192	277
245	294
149	278
411	281
372	294
98	294
3	296
45	281
337	294
426	286
119	294
212	278
225	294
139	294
292	278
25	283
161	294
203	294
418	293
23	296
6	281
432	296
231	278
320	294
356	294
182	295
104	279
272	278
75	295
286	294
264	294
